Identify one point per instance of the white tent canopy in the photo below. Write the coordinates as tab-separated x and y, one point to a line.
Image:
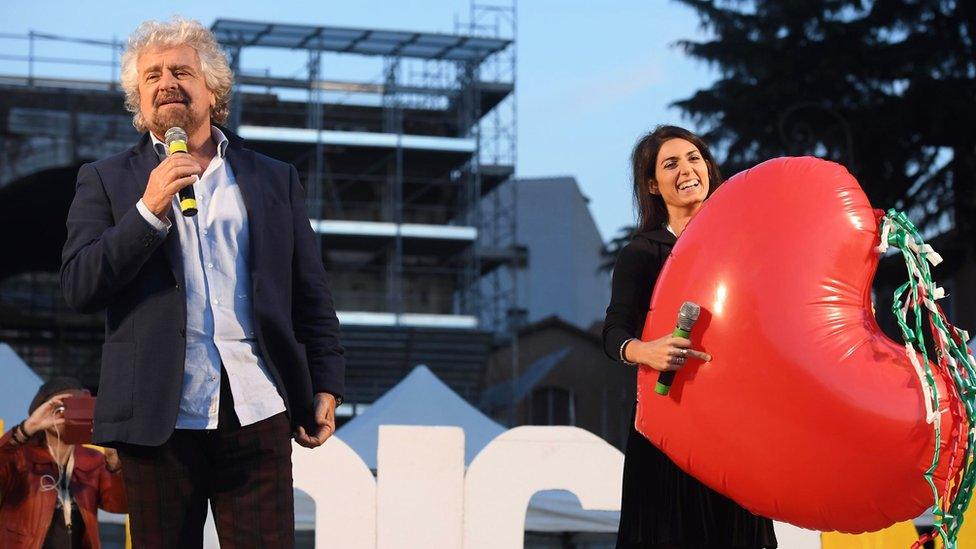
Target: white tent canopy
423	399
18	388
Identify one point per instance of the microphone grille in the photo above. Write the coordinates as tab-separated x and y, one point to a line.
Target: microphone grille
688	315
175	133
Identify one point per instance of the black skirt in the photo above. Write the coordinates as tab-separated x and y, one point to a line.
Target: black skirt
663	505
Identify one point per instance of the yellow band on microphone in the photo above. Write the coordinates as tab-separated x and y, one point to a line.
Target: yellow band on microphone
177	145
187	204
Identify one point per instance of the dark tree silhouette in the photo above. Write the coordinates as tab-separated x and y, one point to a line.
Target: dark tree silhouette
886	87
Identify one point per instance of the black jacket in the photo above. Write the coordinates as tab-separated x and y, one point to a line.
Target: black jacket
634	276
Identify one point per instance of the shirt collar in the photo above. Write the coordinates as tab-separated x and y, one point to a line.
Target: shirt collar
215	133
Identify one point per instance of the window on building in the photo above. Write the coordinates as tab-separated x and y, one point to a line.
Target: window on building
553	406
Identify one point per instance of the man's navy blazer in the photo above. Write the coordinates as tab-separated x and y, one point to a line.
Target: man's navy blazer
115	260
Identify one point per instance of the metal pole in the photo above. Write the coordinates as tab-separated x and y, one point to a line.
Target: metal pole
393	122
314	122
235	99
30	58
115	63
514	217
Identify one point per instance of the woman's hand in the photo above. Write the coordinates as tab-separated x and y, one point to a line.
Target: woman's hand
47	415
664	354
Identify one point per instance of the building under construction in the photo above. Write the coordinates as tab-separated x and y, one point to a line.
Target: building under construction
399	137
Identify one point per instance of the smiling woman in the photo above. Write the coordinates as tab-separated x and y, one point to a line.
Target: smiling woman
680	177
662	506
663	160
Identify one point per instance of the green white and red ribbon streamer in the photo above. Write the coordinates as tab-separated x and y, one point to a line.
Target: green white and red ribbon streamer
954	365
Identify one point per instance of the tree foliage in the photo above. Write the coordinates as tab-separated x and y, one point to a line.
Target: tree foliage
886	87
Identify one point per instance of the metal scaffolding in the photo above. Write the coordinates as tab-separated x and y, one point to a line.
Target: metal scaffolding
398	170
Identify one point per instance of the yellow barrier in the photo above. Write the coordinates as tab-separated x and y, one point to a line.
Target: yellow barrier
128	534
899	536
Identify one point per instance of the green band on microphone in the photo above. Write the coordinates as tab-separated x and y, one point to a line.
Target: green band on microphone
663	385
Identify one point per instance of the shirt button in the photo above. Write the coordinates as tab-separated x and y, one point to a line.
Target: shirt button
205	231
210	265
216	302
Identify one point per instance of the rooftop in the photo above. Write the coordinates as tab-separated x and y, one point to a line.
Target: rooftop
420	45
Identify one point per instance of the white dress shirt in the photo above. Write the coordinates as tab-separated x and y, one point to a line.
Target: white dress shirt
219	319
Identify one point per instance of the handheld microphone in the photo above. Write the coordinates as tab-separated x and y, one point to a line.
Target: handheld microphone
687	316
176	143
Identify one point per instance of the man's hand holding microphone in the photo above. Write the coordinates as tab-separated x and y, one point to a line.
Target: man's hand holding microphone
176	173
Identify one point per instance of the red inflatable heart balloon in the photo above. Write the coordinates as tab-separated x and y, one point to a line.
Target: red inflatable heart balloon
807	413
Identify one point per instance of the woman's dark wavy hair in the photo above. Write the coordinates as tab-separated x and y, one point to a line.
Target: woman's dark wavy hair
651	212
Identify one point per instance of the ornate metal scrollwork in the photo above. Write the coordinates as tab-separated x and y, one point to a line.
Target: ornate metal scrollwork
801	131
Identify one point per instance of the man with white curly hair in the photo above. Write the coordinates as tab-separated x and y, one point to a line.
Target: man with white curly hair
221	340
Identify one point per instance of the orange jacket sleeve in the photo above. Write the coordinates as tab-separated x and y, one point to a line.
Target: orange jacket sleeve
111	488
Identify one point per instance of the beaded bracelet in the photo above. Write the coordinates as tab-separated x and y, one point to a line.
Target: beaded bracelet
623	346
18	432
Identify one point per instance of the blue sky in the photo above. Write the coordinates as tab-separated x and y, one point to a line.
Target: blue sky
592	76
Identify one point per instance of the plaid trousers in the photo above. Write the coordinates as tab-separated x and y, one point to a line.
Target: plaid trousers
244	472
